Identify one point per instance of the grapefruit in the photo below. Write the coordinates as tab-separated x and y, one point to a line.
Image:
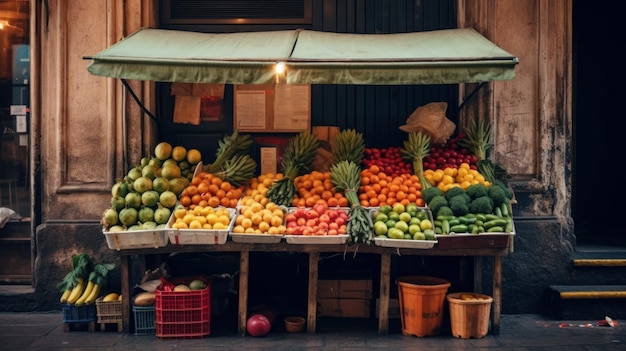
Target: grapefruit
163	150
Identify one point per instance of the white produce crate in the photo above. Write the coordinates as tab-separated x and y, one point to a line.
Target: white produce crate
199	236
136	239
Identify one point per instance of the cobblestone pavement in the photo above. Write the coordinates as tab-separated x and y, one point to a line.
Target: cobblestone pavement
46	331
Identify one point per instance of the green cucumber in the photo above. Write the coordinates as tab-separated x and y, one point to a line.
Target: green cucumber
505	209
459	228
495	229
501	222
490	217
445	226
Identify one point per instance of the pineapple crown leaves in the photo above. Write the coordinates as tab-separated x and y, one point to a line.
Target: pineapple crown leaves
348	145
228	147
300	153
478	138
416	147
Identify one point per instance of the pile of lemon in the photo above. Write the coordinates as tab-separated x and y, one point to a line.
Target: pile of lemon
463	176
202	217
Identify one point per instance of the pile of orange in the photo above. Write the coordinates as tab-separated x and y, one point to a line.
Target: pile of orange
258	187
378	188
317	187
206	189
255	218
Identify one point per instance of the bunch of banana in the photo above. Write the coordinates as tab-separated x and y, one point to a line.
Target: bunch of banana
229	146
297	160
346	177
238	170
83	285
415	149
348	146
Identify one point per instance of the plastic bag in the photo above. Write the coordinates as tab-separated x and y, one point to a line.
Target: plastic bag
431	119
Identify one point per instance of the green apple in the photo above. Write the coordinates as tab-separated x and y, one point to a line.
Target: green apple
395	233
398	208
403	226
414	228
415	220
405	217
426	224
380	228
419	236
381	217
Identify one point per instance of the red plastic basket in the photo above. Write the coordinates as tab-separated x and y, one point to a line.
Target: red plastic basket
183	314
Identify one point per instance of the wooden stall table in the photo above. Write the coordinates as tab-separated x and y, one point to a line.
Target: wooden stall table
314	250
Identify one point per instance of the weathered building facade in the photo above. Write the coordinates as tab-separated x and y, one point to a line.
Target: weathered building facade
80	147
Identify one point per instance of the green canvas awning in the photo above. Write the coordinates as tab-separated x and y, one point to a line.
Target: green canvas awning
436	57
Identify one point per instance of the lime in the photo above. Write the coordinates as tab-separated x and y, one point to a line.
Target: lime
385	209
429	234
393	216
390	223
412	208
407	236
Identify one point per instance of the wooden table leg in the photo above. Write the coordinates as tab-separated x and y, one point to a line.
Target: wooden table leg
244	265
497	294
383	301
314	258
125	286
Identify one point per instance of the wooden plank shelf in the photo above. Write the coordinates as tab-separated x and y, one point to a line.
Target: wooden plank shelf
314	251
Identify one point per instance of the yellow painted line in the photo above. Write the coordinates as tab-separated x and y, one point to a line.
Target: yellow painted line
593	295
615	262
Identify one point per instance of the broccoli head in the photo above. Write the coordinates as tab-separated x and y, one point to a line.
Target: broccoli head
454	191
459	204
496	193
507	191
437	202
444	211
476	190
483	204
429	193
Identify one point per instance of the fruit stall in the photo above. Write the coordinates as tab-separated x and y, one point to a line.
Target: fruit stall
433	196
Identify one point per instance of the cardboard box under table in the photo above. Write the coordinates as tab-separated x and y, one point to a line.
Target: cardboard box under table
344	298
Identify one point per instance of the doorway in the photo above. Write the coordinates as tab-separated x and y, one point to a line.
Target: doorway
597	185
15	241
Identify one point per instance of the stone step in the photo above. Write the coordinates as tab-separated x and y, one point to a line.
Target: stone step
600	258
587	301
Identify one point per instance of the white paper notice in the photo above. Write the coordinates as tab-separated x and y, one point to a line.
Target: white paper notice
18	109
268	160
20	124
250	109
23	140
292	108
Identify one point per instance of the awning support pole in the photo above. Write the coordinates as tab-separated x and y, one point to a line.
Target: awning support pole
132	93
471	95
